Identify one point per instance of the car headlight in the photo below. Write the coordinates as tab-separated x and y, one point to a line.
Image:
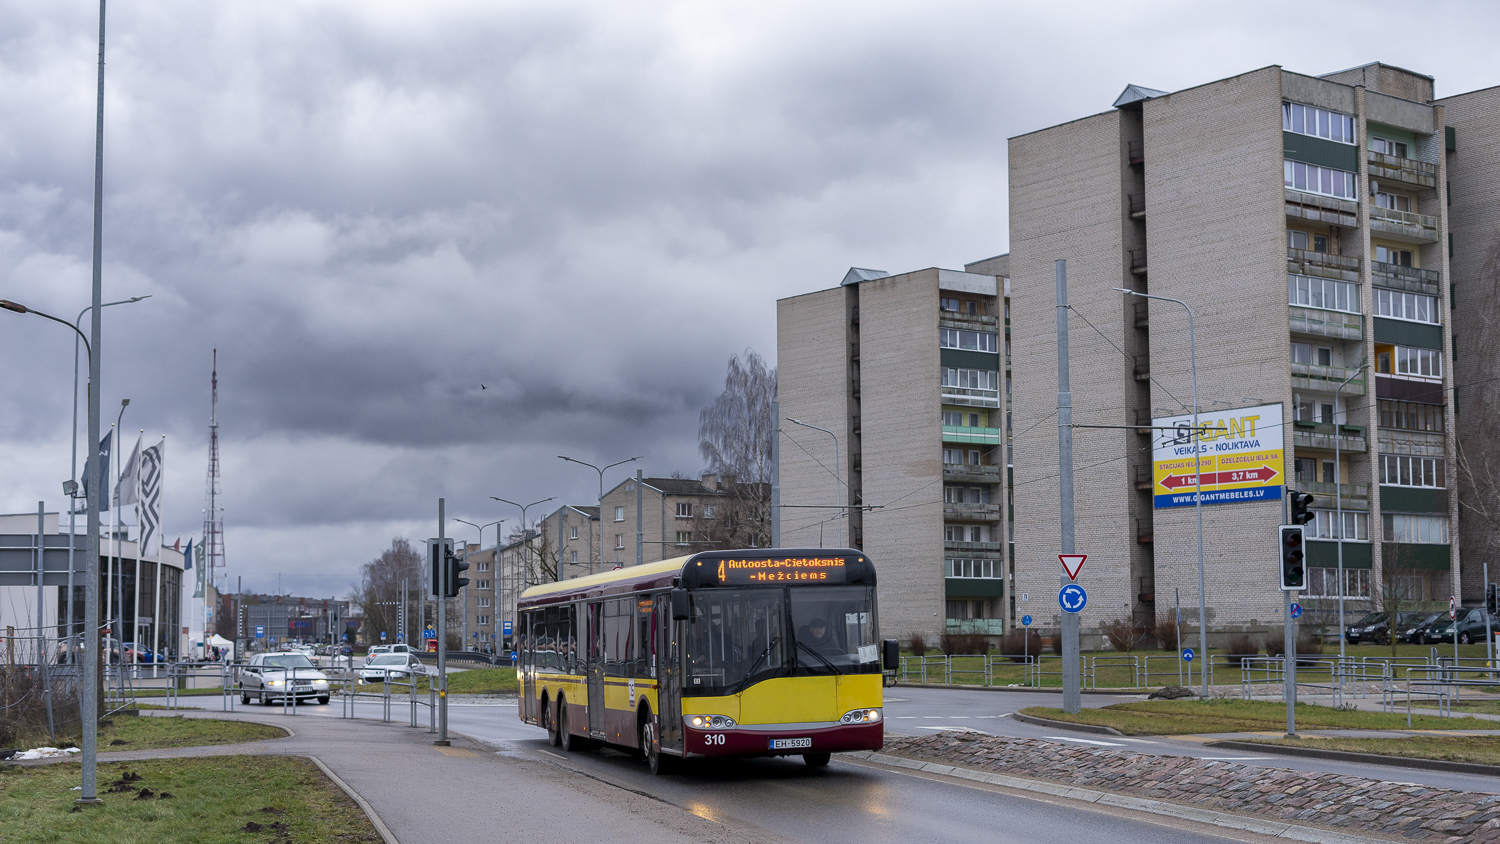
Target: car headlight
273	682
711	722
861	716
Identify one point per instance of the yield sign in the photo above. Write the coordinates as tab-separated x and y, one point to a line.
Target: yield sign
1072	564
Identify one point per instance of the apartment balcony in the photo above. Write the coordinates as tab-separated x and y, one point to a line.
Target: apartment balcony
1321	323
981	626
1413	279
1145	531
1323	435
984	550
1135	152
967	434
1316	208
1322	265
1138	261
1351	496
1142	367
1310	376
971	398
963	473
986	321
1407	171
1406	226
1137	203
956	512
1142	312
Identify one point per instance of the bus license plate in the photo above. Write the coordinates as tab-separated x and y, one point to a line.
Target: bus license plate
789	743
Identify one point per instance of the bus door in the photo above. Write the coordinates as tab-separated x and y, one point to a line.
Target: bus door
596	667
668	675
527	669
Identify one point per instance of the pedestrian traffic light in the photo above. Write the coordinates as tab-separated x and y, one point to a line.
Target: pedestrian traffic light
1293	564
456	565
1492	599
1300	502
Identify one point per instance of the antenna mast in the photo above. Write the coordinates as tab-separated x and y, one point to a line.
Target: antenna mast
213	520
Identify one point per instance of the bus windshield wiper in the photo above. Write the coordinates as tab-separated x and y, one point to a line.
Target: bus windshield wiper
825	660
763	654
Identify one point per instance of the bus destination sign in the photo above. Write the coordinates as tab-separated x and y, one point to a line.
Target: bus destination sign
782	570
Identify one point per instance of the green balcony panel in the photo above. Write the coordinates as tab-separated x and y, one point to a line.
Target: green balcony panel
969	434
1411	555
1399	332
1404	499
974	587
966	359
1324	553
1325	153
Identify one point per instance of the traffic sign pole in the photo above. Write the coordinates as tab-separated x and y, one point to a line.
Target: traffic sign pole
1072	682
442	628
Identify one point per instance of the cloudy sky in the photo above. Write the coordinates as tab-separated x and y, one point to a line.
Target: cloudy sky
372	208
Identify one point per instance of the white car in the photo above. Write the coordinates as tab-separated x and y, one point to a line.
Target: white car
377	650
394	666
280	675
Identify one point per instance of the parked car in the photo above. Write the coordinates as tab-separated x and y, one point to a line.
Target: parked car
1469	627
1437	630
1363	629
1411	631
377	650
274	676
141	653
394	666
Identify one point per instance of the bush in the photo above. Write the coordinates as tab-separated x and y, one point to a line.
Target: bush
963	644
1123	634
1165	631
1240	647
1019	643
1054	644
916	643
1310	644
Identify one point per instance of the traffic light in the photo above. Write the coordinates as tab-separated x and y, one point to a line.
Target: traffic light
456	566
1492	599
437	552
1293	564
1300	502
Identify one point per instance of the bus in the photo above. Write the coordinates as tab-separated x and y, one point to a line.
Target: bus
764	652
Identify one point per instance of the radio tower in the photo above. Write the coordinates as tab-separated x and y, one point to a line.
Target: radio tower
213	521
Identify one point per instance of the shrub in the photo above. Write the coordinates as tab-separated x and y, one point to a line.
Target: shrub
1123	634
916	643
963	644
1165	631
1054	644
1019	643
1275	646
1240	647
1310	644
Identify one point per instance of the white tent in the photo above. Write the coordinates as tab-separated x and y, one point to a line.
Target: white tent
217	641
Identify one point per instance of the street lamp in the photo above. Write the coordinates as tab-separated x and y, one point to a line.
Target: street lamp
479	528
1338	503
601	497
1197	479
838	486
525	540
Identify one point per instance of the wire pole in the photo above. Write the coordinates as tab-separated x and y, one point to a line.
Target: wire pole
1072	682
1338	503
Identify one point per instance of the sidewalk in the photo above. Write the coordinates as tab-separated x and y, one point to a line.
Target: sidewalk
417	793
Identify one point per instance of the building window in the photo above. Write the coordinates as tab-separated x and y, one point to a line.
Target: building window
1312	355
484	602
1387	146
1318	122
1425	363
1326	293
1301	240
954	456
985	569
482	620
966	494
684	537
619	541
1324	525
482	567
1409	527
685	509
953	418
971	379
950	305
573	533
1315	179
1409	470
710	511
974	341
484	584
1323	583
1393	201
619	514
974	457
1411	416
1387	255
574	559
1398	304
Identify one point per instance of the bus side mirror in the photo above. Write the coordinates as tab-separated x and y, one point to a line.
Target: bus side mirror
680	611
891	651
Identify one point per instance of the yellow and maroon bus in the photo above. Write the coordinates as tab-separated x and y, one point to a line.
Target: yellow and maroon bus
765	652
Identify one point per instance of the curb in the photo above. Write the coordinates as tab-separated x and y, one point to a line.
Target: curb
385	833
1066	725
1137	692
1275	829
1366	758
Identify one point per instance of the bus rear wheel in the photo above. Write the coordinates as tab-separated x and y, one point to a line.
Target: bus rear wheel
816	760
567	741
548	724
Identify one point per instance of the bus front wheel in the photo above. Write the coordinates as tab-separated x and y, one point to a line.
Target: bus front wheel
816	760
651	748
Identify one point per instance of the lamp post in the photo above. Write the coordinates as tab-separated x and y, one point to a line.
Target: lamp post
601	498
1338	503
525	540
466	557
838	486
1197	481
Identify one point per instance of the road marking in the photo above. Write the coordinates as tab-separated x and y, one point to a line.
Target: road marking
550	753
1084	741
956	729
1231	758
1138	740
906	717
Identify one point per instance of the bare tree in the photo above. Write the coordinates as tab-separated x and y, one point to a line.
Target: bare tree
538	556
734	440
1479	446
1396	576
379	594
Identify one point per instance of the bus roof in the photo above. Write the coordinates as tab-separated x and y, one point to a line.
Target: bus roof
660	575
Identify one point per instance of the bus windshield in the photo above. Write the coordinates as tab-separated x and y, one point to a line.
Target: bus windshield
740	636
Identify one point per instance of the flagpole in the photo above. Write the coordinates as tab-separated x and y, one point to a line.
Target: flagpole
161	452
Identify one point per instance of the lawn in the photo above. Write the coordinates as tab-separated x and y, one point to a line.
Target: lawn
1183	717
480	681
129	732
1483	750
182	801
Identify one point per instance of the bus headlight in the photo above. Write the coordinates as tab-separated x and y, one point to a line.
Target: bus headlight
711	722
861	716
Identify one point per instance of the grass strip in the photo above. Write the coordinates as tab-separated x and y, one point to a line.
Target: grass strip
1482	750
227	799
129	732
479	681
1184	717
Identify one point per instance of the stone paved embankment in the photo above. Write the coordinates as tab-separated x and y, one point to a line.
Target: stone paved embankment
1356	804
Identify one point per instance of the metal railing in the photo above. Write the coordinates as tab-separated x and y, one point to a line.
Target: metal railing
1405	223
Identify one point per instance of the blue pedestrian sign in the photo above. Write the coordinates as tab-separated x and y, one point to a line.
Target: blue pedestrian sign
1187	654
1072	598
260	632
1026	620
1296	610
505	627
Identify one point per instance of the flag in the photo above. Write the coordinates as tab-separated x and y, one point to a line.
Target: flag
187	556
103	466
177	545
130	478
150	503
201	568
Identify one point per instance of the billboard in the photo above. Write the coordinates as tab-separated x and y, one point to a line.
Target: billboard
1239	453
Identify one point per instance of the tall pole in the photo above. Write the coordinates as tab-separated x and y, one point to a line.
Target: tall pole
525	539
640	535
601	470
838	485
776	474
1338	503
89	698
480	529
1197	483
1072	682
442	631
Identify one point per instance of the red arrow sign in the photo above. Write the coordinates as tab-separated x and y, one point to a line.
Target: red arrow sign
1072	564
1261	474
